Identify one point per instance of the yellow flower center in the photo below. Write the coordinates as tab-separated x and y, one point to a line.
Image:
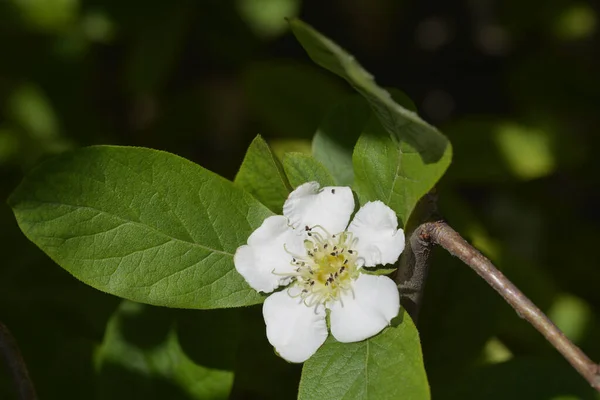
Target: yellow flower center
328	268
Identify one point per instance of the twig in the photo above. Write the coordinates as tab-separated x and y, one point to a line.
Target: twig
414	264
9	351
443	235
412	274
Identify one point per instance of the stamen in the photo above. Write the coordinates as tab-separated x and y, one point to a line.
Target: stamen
320	276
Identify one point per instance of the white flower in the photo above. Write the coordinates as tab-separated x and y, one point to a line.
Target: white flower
312	249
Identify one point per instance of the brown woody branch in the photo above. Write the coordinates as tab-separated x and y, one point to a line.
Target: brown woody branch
414	264
9	351
443	235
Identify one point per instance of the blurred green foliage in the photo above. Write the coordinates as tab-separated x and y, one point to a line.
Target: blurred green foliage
513	84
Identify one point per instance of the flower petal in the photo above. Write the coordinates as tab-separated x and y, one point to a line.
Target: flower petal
329	207
265	253
375	302
295	330
379	242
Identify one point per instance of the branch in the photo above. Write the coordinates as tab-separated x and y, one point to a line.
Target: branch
414	264
443	235
9	351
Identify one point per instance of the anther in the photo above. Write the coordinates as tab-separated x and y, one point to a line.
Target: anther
350	251
332	191
332	253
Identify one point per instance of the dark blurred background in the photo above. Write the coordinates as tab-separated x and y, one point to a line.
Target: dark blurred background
514	84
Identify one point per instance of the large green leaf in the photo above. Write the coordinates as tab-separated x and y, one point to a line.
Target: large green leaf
261	175
301	168
141	357
387	366
391	171
398	163
141	224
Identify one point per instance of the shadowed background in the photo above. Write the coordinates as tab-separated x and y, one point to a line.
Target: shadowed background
514	85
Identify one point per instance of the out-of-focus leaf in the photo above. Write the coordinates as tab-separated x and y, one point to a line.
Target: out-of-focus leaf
572	315
386	366
141	224
290	99
97	26
31	112
267	17
336	136
577	21
528	153
496	352
141	357
48	15
301	168
261	175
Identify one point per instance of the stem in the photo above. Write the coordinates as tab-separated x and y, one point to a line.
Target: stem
414	264
443	235
9	351
412	274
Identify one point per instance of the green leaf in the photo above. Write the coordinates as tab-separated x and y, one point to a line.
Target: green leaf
392	171
141	224
413	157
386	366
261	175
141	357
392	115
301	168
336	136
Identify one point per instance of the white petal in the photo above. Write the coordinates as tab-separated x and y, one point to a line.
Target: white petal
295	330
329	207
379	241
375	303
265	253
